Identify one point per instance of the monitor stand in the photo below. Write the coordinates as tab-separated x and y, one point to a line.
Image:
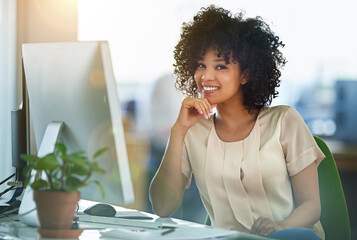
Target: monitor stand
27	210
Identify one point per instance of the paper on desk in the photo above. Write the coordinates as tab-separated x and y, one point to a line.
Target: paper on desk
180	233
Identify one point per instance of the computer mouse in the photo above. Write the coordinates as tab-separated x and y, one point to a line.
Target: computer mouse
101	209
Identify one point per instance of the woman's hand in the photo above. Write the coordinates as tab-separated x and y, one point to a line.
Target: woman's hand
192	110
264	226
169	183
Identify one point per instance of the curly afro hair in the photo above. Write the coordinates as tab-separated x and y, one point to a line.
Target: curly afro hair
251	43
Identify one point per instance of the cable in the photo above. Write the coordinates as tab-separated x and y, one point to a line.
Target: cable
7	178
16	194
6	190
13	208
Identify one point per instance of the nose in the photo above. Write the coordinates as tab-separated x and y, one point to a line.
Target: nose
208	75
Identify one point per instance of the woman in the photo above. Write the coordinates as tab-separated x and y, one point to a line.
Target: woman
255	166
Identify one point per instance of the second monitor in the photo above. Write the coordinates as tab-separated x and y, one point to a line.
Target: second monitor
73	83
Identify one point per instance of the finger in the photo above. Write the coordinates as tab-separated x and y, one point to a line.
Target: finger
207	108
207	104
266	228
255	225
192	103
262	229
199	108
204	106
204	109
187	103
261	225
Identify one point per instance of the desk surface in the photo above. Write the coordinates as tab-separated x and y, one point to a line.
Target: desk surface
12	229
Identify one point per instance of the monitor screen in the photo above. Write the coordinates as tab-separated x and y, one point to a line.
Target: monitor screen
73	83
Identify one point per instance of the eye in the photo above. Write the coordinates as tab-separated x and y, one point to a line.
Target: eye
221	67
200	65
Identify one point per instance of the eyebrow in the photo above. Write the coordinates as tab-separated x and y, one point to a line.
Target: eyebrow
216	60
219	60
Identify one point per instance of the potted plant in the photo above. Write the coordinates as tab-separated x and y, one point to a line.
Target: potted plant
58	178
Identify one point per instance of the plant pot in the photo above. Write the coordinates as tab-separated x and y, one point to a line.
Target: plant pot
56	209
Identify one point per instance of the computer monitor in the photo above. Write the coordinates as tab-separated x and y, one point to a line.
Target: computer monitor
73	97
20	141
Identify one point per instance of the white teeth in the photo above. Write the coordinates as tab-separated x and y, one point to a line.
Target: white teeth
210	88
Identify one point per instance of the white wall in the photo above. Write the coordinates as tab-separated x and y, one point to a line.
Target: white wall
7	82
26	21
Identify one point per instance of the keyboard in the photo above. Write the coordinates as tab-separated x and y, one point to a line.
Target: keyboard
124	222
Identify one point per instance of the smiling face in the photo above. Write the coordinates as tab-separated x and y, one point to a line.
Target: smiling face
218	81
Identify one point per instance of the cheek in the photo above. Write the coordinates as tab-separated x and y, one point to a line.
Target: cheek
198	79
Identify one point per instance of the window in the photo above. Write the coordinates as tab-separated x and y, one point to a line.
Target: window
318	35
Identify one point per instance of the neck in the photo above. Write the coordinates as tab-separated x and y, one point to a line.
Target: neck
231	116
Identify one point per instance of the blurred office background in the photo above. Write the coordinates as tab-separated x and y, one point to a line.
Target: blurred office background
319	80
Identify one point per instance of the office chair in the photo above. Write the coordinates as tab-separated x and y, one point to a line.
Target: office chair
334	215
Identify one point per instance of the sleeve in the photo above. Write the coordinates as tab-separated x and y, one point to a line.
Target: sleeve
299	146
186	166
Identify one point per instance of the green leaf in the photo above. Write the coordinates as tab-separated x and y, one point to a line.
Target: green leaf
76	159
27	171
55	173
65	172
32	159
97	169
49	162
72	184
99	152
60	149
39	184
100	188
79	170
77	154
27	175
57	185
26	182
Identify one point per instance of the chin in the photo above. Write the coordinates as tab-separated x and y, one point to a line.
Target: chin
212	100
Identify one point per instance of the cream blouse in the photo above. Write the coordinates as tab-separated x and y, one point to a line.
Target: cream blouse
241	181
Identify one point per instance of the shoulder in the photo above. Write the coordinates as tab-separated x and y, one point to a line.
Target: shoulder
274	110
276	113
278	117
